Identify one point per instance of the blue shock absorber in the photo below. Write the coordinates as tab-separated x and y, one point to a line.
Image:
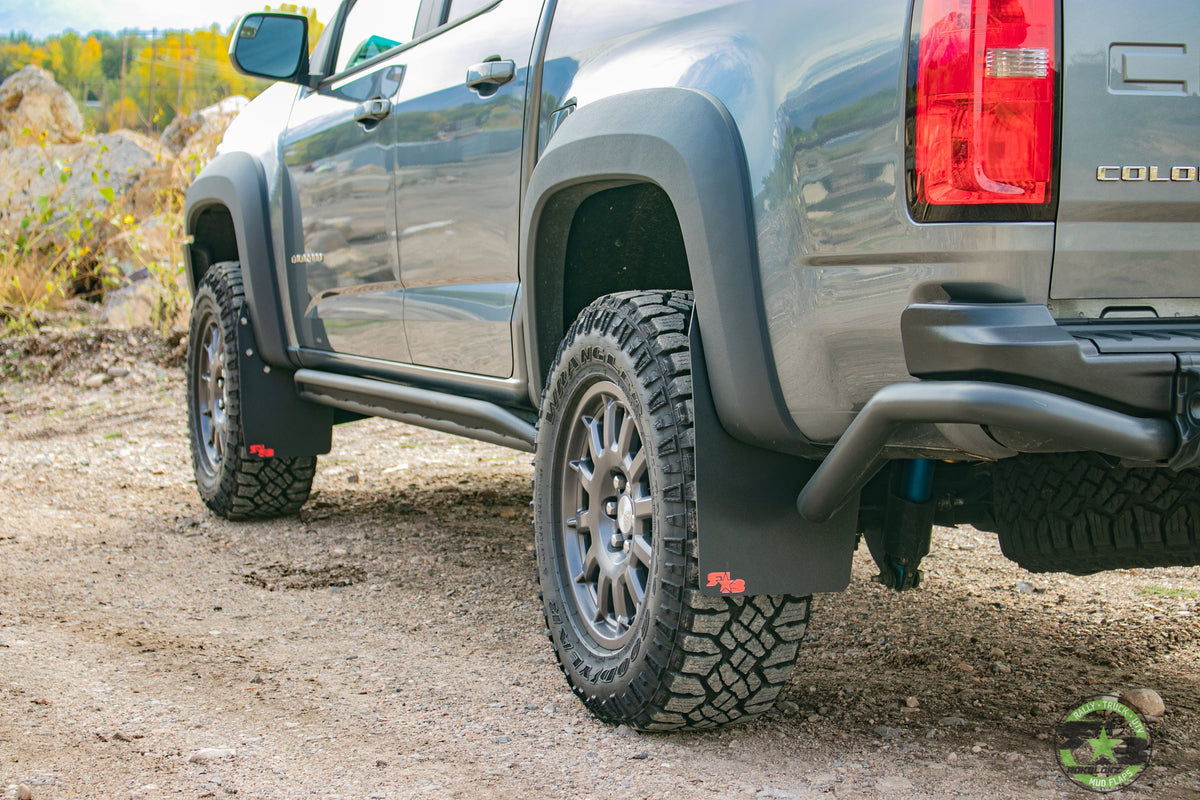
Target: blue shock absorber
917	481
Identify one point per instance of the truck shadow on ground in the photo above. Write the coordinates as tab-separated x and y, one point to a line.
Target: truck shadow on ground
984	656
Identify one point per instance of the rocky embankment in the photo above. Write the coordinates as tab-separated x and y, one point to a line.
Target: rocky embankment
123	189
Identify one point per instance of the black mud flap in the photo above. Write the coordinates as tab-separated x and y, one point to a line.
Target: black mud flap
752	540
276	421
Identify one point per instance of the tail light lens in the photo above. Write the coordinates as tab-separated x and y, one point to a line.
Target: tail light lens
985	102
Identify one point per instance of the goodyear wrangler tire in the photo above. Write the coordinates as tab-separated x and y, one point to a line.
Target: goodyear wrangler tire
232	486
1075	512
614	522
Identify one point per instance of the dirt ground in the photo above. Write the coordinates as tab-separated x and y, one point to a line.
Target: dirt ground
388	642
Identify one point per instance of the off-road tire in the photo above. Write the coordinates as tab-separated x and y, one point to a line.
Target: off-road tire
1074	512
233	486
683	660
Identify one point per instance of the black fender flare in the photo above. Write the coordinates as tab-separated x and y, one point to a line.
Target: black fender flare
685	142
237	182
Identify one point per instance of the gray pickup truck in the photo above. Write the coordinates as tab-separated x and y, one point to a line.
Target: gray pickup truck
754	281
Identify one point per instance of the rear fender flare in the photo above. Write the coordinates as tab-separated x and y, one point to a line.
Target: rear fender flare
685	142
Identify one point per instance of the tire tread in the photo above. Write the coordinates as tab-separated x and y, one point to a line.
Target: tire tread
1073	512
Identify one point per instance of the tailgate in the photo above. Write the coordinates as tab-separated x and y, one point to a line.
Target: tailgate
1129	201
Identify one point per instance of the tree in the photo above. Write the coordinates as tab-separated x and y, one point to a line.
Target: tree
191	69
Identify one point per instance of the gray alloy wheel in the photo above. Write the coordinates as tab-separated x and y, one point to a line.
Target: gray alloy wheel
211	399
606	497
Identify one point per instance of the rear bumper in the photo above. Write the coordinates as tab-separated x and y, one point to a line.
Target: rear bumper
1129	390
1128	365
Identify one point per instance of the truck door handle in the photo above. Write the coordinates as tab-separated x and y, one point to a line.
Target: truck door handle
371	112
491	74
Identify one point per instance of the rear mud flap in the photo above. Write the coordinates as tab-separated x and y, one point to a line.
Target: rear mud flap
751	538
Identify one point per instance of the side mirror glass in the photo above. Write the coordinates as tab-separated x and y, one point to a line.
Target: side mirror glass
272	46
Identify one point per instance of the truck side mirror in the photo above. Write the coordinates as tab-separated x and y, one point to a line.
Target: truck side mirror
271	45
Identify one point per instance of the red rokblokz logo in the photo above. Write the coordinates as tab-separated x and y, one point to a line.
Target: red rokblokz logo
727	584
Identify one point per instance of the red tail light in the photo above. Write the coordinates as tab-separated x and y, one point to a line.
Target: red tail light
985	85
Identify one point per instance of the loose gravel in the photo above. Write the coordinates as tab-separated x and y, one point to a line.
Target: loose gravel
388	643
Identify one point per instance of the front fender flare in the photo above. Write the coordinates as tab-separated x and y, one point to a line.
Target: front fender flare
236	183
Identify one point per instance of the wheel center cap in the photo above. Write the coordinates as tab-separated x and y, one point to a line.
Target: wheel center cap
625	518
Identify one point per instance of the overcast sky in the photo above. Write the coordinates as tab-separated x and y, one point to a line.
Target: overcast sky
41	18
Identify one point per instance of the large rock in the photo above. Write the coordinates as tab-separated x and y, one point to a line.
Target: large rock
142	175
31	100
155	241
207	126
215	117
97	170
180	130
1147	701
84	189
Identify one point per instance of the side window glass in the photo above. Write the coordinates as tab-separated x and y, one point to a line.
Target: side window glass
373	27
456	9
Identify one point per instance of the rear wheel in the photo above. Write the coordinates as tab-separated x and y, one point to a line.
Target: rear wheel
232	486
614	521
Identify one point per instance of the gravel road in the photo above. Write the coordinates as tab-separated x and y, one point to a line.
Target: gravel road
388	643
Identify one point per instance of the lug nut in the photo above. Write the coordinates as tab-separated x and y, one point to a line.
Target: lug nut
619	482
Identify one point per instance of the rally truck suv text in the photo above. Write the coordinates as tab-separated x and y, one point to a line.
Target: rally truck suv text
753	281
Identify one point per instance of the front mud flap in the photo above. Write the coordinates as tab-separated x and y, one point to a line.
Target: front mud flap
752	540
276	421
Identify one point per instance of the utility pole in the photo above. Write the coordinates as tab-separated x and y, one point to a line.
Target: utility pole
124	58
153	36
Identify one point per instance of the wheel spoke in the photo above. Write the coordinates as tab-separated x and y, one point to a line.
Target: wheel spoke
591	564
635	466
640	550
586	471
604	597
595	437
620	596
609	438
643	507
625	436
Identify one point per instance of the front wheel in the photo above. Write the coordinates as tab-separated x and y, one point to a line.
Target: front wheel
231	485
614	522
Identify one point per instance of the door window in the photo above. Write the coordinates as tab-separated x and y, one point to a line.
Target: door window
457	9
373	27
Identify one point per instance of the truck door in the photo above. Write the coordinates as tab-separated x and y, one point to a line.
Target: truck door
339	152
458	118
